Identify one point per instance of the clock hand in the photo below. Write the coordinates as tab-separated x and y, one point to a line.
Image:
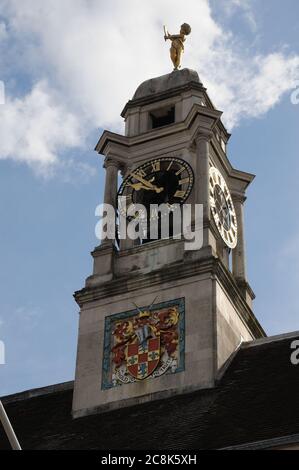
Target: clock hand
138	186
146	183
156	188
142	180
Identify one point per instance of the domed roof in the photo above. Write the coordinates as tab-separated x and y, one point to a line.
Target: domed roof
166	82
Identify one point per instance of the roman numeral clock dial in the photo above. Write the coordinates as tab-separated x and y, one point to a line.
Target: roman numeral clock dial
222	208
165	180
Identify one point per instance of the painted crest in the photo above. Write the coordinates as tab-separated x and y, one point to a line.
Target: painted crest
143	358
145	343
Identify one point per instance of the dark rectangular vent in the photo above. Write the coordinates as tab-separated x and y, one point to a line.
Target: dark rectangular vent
162	117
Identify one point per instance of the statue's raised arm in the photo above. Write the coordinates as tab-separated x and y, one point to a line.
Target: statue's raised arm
177	44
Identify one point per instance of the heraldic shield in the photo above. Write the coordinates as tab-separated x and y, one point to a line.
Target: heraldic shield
143	358
144	343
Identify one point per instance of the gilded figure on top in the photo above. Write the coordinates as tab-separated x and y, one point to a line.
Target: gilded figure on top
177	44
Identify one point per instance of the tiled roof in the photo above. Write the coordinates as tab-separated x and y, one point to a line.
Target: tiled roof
256	400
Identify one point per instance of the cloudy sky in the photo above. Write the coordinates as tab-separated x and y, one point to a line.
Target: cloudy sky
68	68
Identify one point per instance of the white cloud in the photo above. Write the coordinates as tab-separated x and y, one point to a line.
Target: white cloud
36	128
93	54
257	87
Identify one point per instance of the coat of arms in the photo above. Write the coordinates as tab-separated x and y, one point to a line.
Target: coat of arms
145	342
143	358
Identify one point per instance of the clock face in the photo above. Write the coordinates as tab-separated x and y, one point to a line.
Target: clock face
222	208
166	180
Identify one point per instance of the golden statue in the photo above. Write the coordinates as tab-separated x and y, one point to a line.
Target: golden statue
177	44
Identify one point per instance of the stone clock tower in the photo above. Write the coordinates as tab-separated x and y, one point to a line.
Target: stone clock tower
157	319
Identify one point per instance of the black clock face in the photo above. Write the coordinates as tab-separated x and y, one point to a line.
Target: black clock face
222	207
165	180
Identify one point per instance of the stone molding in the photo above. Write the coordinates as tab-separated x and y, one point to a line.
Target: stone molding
176	272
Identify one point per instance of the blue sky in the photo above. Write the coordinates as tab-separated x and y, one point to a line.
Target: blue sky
68	71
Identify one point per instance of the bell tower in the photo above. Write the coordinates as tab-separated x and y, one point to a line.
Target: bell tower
158	319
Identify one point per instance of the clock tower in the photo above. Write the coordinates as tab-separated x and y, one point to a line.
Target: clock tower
157	319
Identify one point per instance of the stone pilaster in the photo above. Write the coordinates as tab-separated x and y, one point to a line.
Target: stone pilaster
110	194
202	180
112	167
238	254
103	255
127	243
202	142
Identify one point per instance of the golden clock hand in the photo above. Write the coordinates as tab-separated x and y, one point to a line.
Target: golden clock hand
138	186
154	187
159	190
147	183
142	180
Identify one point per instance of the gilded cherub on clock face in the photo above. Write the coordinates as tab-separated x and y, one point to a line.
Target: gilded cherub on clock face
165	180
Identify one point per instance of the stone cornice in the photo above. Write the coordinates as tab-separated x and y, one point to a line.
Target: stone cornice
243	178
238	197
111	162
192	85
176	272
199	123
161	96
199	118
203	136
